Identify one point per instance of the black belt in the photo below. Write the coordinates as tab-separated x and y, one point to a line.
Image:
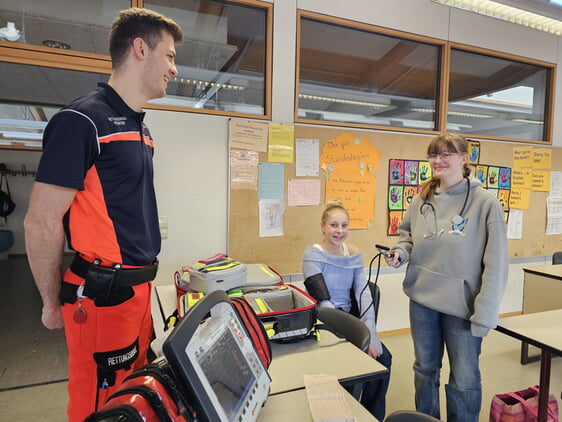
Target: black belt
125	277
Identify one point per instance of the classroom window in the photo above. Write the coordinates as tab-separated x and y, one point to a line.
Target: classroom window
63	24
361	77
31	95
497	97
223	63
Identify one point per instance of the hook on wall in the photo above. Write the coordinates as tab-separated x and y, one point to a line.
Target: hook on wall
23	172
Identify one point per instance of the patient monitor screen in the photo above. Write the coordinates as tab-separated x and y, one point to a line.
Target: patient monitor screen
220	367
226	370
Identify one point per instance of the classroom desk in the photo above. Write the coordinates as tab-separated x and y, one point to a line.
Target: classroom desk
167	300
330	356
542	291
293	406
542	330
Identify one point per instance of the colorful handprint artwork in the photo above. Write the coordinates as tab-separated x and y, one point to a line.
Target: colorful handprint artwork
482	174
409	193
493	177
394	220
424	172
473	152
396	172
395	195
411	172
406	178
505	178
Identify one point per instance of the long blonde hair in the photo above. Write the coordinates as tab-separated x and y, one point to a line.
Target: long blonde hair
454	143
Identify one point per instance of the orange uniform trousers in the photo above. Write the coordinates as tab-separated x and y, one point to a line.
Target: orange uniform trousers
125	330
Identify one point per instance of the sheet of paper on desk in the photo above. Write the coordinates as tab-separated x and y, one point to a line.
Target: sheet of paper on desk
326	399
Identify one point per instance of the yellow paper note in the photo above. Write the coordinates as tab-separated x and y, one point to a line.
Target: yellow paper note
281	143
520	198
542	158
523	157
540	181
521	178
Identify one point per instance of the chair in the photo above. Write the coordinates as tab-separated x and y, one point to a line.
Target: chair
351	328
557	258
345	325
409	416
376	294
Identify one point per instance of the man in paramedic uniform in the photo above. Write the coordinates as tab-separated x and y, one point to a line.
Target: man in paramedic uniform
94	184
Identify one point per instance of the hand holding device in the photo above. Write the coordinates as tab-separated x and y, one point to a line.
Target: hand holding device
385	250
391	257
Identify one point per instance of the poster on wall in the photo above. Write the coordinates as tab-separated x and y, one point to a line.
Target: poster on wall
405	178
349	164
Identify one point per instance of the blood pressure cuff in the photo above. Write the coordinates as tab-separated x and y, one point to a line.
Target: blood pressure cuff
316	287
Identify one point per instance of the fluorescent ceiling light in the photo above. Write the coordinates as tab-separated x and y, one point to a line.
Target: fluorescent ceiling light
342	101
507	13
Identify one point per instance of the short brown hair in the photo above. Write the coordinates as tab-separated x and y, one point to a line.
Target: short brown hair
136	22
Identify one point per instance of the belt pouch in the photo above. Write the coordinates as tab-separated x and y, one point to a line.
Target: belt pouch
99	281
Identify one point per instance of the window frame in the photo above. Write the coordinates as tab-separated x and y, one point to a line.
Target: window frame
440	44
20	53
549	94
267	73
443	79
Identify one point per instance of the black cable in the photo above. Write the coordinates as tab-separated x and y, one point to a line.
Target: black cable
361	314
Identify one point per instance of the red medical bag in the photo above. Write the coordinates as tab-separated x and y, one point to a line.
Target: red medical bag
147	395
255	328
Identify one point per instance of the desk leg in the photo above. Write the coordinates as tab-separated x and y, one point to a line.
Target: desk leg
525	358
544	385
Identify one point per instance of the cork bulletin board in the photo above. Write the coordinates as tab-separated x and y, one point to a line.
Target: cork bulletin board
301	224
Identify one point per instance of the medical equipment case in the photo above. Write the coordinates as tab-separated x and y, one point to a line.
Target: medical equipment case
287	312
223	273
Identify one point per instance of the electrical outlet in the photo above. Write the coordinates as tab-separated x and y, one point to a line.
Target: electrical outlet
163	222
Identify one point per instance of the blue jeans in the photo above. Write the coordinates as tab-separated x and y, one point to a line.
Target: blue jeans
431	332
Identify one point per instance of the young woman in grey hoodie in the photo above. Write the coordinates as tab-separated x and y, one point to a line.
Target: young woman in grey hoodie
453	238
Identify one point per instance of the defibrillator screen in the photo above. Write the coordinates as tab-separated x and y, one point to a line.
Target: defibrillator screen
225	368
219	366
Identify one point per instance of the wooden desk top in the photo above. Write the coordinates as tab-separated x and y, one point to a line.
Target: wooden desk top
330	356
551	271
541	329
293	406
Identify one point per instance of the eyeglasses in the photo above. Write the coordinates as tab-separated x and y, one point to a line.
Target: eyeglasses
444	156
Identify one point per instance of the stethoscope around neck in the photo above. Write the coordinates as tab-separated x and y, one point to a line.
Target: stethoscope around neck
457	220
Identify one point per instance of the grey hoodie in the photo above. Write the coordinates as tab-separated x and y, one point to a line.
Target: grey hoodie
464	272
